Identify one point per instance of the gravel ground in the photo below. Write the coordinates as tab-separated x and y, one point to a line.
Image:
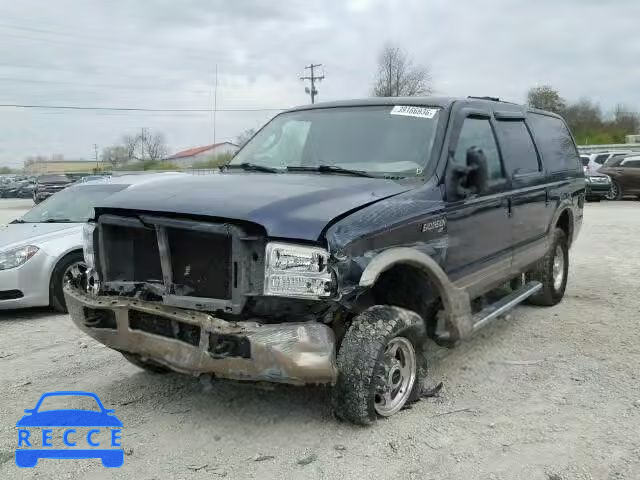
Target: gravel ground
545	393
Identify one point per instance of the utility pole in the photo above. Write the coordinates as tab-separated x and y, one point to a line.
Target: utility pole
313	78
95	149
215	103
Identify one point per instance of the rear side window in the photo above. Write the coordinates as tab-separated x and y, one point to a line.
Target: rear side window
600	159
477	132
555	143
518	150
631	164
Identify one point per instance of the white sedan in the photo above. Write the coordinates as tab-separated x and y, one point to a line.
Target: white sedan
38	249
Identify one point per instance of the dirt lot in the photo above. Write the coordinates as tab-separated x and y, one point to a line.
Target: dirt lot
548	393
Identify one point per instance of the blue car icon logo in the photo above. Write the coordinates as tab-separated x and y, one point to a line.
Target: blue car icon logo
84	433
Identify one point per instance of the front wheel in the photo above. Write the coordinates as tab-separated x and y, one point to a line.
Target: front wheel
615	193
60	272
552	271
381	365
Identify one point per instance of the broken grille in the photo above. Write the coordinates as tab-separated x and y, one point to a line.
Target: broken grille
190	264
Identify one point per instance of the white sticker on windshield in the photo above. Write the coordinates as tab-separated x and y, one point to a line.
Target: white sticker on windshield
409	111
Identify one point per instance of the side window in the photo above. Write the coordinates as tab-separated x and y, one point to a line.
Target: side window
600	159
585	161
518	150
631	164
477	132
555	143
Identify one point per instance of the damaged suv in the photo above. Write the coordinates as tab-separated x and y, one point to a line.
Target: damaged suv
338	241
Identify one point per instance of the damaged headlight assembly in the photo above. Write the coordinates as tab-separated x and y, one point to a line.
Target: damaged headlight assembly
297	271
87	244
17	256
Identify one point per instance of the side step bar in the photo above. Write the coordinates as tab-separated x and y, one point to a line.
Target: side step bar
493	311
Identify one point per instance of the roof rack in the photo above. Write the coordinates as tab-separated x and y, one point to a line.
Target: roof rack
493	99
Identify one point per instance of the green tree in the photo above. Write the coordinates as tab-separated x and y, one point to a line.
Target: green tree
546	98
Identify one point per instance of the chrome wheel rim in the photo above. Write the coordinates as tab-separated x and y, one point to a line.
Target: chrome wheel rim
612	194
558	268
397	378
73	270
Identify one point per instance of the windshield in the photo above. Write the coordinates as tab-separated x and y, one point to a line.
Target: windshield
384	140
74	204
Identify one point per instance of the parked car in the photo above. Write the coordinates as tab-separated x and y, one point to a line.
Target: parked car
625	176
47	185
91	178
596	160
323	251
41	247
598	186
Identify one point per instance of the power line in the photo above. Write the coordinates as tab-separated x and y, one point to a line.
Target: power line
136	109
313	92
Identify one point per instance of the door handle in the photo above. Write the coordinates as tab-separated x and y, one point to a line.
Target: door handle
509	207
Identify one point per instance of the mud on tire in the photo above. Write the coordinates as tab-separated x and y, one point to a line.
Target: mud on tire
360	360
542	272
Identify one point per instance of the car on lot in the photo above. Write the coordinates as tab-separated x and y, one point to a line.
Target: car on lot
338	240
625	176
598	186
38	249
47	185
30	450
597	160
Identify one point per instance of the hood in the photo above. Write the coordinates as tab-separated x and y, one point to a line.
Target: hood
296	206
35	233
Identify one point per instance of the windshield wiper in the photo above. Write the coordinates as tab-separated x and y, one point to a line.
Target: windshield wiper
331	169
58	220
18	220
252	167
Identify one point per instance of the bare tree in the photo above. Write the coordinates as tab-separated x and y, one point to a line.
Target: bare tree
130	143
116	156
546	98
397	75
155	146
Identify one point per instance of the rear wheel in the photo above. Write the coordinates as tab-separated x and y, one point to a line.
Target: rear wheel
62	269
552	272
381	365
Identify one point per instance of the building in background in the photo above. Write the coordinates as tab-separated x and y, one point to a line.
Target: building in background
40	167
187	158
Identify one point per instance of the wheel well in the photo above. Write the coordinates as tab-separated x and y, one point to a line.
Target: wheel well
564	223
408	287
66	255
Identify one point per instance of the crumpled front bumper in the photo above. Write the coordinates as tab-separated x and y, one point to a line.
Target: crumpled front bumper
195	342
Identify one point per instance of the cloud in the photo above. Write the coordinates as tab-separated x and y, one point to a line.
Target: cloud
162	54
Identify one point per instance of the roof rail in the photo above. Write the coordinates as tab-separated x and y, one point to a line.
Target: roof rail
493	99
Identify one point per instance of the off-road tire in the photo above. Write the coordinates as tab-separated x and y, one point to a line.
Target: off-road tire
148	365
543	273
56	297
360	359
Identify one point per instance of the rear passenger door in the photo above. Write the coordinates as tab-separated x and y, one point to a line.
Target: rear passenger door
529	207
630	177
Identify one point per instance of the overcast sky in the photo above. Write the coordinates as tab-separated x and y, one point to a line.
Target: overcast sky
162	54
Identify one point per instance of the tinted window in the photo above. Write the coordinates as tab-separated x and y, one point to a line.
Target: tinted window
518	151
615	161
585	161
554	141
600	159
631	164
477	132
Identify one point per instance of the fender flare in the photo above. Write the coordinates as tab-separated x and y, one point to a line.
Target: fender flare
564	206
455	300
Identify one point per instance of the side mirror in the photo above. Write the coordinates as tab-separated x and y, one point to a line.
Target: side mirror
470	179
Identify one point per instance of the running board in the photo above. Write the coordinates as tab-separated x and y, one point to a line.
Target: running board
493	311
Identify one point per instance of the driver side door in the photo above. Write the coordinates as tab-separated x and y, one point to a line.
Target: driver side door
479	226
